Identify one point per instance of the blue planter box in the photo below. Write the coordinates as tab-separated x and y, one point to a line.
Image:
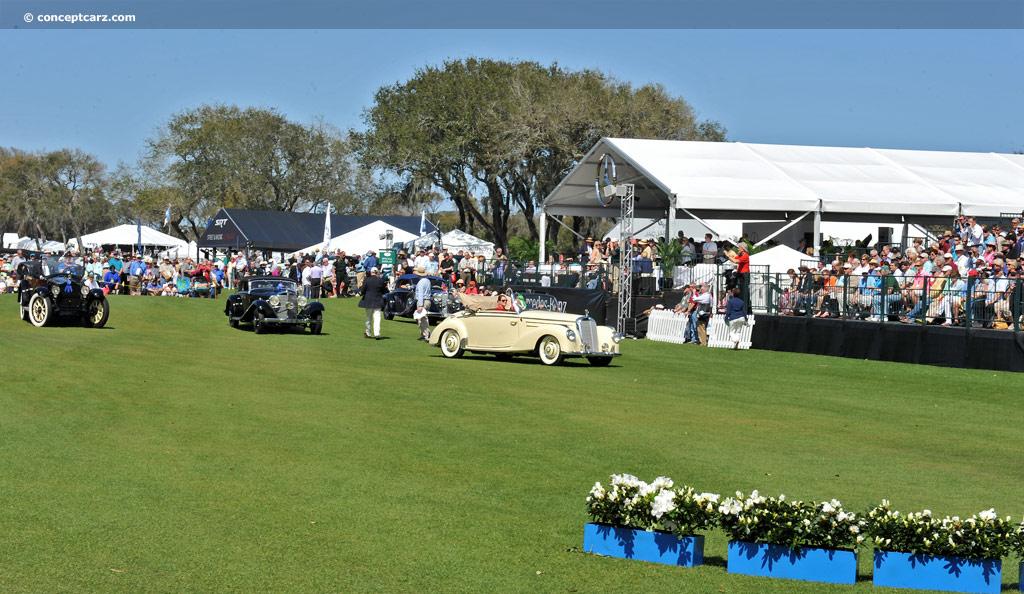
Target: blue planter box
937	572
835	566
655	547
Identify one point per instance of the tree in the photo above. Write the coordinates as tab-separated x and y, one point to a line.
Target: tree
496	137
218	156
57	194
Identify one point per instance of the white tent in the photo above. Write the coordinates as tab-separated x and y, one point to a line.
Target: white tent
361	240
456	240
191	250
779	259
47	245
128	235
734	180
10	240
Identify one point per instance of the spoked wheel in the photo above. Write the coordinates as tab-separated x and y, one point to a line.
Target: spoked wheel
451	344
40	310
97	313
549	351
259	325
317	323
599	361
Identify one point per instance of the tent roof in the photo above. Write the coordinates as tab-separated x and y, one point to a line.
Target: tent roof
284	231
129	235
736	180
360	240
779	259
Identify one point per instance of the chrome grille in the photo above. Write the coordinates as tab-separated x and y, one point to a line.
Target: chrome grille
288	307
588	334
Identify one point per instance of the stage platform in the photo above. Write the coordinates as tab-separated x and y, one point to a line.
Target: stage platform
975	348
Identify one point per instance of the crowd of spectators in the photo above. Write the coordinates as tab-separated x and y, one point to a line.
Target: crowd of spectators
971	274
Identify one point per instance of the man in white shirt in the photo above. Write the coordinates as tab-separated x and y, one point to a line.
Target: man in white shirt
977	234
963	262
709	249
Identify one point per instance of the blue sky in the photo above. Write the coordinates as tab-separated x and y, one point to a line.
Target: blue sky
107	91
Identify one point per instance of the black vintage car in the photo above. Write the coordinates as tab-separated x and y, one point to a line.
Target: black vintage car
402	300
267	301
49	290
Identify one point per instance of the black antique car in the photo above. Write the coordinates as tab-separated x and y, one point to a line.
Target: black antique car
49	290
266	301
402	300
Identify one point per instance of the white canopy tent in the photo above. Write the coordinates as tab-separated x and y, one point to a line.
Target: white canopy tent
733	180
361	240
10	239
778	259
456	240
190	250
43	245
129	235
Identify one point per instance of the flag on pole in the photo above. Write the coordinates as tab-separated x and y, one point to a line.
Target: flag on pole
327	229
138	228
167	216
423	223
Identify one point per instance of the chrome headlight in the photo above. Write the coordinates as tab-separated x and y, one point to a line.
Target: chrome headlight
570	335
616	337
302	302
85	290
275	300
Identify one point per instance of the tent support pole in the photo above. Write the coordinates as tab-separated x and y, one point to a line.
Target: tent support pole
670	220
701	221
817	231
781	229
570	229
543	235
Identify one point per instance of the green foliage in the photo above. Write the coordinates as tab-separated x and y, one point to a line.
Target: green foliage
981	536
57	194
218	156
776	520
508	132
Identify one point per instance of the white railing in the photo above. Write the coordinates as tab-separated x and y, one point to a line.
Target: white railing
668	326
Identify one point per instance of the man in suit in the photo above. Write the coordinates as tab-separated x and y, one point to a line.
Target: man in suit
372	290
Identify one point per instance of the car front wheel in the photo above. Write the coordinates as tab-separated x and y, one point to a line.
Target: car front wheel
549	351
40	310
317	323
258	325
96	313
451	344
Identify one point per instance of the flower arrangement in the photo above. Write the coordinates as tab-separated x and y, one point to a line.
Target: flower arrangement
795	524
632	503
982	536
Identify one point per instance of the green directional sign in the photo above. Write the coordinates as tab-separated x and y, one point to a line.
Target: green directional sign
387	259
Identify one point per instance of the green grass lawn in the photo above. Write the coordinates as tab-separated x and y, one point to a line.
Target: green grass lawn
171	453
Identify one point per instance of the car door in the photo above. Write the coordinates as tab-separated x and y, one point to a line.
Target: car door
495	329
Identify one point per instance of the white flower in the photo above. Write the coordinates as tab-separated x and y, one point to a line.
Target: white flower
988	515
927	513
827	508
807	522
662	482
854	529
663	503
782	497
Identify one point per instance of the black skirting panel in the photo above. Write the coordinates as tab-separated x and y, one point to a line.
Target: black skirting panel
1002	350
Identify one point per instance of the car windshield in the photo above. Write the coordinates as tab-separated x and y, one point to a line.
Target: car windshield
273	285
52	265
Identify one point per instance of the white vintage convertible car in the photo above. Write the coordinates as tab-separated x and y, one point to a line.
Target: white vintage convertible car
535	327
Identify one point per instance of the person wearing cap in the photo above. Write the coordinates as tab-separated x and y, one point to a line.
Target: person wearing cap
372	292
112	280
423	294
702	311
135	272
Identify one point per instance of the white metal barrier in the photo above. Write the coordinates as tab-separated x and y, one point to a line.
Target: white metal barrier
666	326
718	333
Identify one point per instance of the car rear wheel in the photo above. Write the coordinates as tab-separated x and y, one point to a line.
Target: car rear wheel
259	326
317	323
96	313
549	351
451	344
599	361
40	310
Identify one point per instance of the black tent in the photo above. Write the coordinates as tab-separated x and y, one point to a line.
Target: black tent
284	231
